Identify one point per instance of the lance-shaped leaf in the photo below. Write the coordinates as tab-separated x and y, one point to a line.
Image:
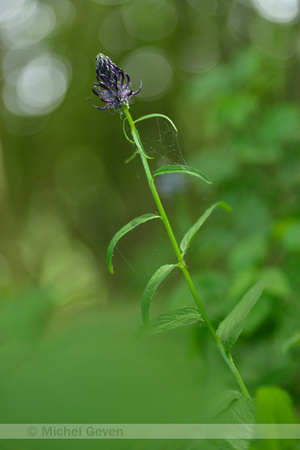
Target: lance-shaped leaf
125	134
180	317
189	236
130	226
136	141
178	168
139	144
151	288
232	326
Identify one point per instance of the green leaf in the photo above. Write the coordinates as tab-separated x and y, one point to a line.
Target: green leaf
136	141
239	411
189	236
222	400
229	407
131	157
151	288
177	168
130	226
139	144
232	326
150	116
125	134
292	342
233	407
180	317
274	406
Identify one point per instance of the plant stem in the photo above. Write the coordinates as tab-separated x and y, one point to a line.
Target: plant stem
227	357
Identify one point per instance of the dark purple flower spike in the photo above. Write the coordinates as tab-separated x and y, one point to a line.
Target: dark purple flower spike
113	86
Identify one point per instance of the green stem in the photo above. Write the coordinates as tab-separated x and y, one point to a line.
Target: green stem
227	357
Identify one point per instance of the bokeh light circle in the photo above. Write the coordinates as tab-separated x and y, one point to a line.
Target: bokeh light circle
113	34
38	87
149	20
111	2
276	42
199	54
154	69
26	23
281	11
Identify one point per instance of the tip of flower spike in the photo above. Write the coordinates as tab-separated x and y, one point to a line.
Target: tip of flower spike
101	58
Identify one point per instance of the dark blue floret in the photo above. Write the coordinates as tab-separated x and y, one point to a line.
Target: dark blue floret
113	86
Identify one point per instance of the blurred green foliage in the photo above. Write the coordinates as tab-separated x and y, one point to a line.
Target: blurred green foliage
227	73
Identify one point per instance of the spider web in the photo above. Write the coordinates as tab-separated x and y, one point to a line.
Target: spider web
161	142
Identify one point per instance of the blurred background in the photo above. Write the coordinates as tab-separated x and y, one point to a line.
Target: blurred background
227	73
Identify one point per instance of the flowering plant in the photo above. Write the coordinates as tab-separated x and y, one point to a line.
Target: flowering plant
113	88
